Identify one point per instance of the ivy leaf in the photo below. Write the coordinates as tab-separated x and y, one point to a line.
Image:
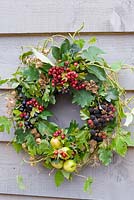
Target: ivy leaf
82	98
41	57
92	40
80	43
105	156
116	66
20	182
74	49
112	94
56	52
59	178
98	72
16	146
129	119
92	53
45	114
88	184
31	74
84	114
65	46
5	124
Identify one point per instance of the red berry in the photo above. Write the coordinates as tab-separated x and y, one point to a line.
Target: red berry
28	103
55	134
53	84
75	64
20	124
64	155
66	63
56	152
62	136
21	115
90	121
24	114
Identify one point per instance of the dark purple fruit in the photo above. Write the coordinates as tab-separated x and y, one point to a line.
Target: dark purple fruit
92	117
92	132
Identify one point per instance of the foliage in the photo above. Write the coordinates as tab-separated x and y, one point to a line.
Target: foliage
85	75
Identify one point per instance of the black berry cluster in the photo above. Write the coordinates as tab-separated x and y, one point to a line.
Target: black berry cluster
26	108
100	116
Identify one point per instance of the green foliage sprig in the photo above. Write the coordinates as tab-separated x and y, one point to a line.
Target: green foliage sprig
92	82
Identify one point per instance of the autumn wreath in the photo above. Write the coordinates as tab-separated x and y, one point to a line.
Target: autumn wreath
92	83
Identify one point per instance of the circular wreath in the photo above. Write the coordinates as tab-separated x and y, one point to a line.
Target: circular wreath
92	83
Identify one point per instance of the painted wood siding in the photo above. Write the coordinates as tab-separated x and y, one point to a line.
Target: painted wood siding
27	22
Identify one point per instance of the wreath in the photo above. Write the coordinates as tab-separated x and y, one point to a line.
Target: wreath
83	73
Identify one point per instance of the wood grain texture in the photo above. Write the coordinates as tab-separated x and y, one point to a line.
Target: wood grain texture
117	47
37	16
25	197
113	182
64	111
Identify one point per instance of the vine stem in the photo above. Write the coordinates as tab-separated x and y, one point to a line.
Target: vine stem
79	175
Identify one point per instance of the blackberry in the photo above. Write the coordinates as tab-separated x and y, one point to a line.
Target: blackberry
21	108
91	110
92	117
92	132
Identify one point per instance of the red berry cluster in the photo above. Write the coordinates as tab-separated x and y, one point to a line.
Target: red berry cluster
35	104
62	153
56	73
25	108
59	133
71	77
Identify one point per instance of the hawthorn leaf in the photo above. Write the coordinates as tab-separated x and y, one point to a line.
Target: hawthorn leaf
82	98
56	52
5	124
92	40
65	46
116	66
84	114
112	94
45	114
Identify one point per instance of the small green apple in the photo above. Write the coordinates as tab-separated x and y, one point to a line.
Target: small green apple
69	165
58	164
55	142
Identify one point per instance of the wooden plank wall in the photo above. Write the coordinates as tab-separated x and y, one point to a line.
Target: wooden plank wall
25	23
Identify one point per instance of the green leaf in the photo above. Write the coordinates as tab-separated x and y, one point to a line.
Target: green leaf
105	156
20	135
42	57
92	40
112	94
84	114
80	43
31	74
82	98
46	128
5	124
120	145
24	55
97	71
59	178
67	175
74	49
3	81
65	46
43	147
92	53
17	147
129	119
45	114
20	182
116	66
46	94
56	52
88	184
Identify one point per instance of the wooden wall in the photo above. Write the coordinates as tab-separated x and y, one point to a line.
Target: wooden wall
25	23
